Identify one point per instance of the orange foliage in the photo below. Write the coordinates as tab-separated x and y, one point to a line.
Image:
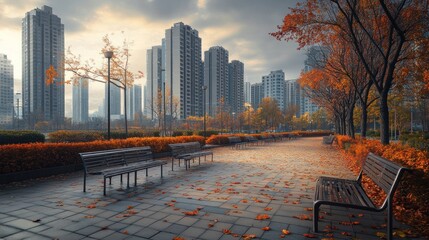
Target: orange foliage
25	157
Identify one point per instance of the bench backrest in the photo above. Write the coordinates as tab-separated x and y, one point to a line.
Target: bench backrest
183	148
251	139
384	173
234	139
137	154
94	162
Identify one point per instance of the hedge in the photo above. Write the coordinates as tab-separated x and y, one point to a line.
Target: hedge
411	202
25	157
223	139
14	137
89	136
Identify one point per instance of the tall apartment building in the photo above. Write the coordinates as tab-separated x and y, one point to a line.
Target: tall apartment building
315	59
183	71
134	102
274	85
292	95
216	78
115	101
257	94
247	92
236	82
80	101
154	81
6	91
42	47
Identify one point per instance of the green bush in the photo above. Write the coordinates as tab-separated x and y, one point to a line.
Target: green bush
177	133
14	137
75	136
416	140
208	133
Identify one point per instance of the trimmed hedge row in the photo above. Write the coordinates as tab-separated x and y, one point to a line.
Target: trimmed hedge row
223	139
25	157
16	137
411	200
89	136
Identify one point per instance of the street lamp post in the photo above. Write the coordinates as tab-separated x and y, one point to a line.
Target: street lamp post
108	55
17	108
233	118
204	107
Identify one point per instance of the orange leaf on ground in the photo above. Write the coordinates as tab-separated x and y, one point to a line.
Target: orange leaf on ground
266	228
262	217
178	238
226	231
130	207
192	213
268	208
309	235
248	236
285	232
92	206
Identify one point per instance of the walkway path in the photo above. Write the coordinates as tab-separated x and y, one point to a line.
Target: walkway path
219	200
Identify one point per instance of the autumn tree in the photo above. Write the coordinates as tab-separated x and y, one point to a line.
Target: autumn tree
382	33
120	72
270	113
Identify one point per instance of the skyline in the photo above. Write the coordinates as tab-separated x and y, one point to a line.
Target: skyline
242	27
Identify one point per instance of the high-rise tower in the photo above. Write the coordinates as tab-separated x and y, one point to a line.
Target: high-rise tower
42	47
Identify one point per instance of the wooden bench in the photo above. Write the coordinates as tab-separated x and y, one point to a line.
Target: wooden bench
328	139
277	137
350	193
267	138
251	140
187	152
116	162
236	143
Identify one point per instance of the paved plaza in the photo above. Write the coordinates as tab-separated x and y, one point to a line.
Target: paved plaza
261	192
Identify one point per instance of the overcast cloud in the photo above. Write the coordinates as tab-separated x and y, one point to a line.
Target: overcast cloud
240	26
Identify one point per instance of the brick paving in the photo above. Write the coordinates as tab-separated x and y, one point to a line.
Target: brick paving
222	200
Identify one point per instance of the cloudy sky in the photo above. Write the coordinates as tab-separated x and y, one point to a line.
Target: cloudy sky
240	26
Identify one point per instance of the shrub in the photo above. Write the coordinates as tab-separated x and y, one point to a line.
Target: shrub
208	133
25	157
16	137
177	133
89	136
75	136
417	140
223	139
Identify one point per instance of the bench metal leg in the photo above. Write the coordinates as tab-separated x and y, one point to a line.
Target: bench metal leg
212	157
128	180
316	217
135	179
84	182
389	219
161	172
121	178
110	180
172	164
147	172
186	164
199	160
104	187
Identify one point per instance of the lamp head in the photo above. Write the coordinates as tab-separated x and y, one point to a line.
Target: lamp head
108	54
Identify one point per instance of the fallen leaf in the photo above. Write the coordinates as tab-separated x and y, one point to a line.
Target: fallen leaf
37	220
285	232
262	217
266	228
178	238
309	235
268	208
226	231
125	232
192	213
248	236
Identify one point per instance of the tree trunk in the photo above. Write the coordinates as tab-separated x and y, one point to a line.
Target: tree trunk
350	123
125	110
364	120
384	117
